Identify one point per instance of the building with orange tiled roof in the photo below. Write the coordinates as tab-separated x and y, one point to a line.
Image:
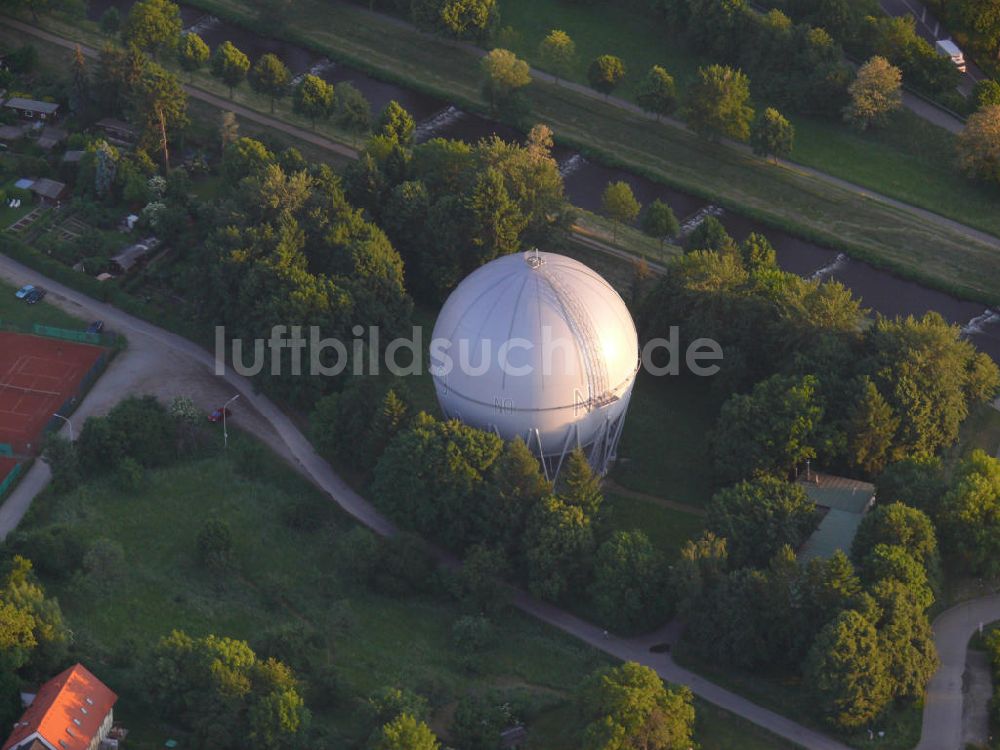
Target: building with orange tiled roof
72	711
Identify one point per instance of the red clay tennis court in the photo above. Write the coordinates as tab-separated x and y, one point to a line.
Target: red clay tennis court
37	376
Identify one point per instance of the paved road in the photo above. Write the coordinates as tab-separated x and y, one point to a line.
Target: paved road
942	726
931	29
157	360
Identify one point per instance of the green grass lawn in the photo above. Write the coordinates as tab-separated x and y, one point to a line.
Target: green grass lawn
21	314
283	575
667	529
664	448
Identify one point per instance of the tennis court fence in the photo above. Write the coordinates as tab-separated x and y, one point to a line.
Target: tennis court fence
65	334
10	480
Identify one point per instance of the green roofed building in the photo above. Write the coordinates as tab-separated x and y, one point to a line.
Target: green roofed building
844	503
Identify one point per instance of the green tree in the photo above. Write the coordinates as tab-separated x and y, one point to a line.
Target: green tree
497	219
229	130
396	123
269	77
891	561
917	482
876	92
353	113
153	26
659	221
657	92
479	583
978	145
429	473
313	99
983	18
515	487
761	516
698	569
905	638
503	76
558	542
111	21
629	707
557	53
605	73
900	525
230	65
192	53
970	514
60	454
579	485
215	544
771	430
711	235
619	204
930	377
628	582
757	252
405	732
79	96
848	671
31	625
986	93
771	135
718	104
871	429
159	107
468	17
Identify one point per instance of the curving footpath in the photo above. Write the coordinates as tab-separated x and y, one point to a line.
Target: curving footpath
942	724
153	357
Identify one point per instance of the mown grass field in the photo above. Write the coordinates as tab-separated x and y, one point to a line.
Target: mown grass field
664	449
284	575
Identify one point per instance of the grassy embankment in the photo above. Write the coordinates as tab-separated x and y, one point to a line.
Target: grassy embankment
283	575
788	198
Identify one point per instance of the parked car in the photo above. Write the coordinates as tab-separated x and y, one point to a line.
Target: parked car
24	291
216	416
96	327
35	295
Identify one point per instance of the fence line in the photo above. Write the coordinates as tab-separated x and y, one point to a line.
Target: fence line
64	334
9	481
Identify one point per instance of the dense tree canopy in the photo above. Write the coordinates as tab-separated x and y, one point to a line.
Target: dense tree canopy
849	672
230	65
759	517
718	103
270	77
153	26
979	145
557	53
876	93
628	706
